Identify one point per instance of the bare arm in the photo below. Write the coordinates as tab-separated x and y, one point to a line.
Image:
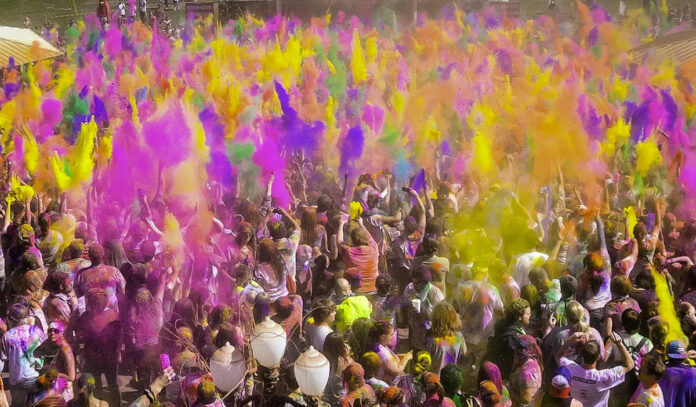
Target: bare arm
628	363
290	218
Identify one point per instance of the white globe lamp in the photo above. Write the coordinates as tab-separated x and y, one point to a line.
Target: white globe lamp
312	372
227	367
268	341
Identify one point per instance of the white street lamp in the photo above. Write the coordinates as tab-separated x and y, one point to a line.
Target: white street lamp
312	372
227	368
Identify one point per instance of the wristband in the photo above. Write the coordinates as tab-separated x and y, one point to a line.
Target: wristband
149	394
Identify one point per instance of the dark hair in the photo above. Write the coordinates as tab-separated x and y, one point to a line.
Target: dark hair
451	379
658	334
75	249
569	285
278	230
590	352
430	245
30	261
321	309
85	385
308	224
96	254
378	329
262	307
621	286
268	253
206	392
384	284
147	251
653	364
630	321
370	363
324	202
57	282
645	279
334	347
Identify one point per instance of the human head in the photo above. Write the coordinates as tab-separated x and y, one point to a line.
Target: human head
489	394
652	367
359	237
353	376
370	362
430	246
18	210
569	285
518	312
421	277
676	350
342	288
538	278
621	286
323	203
206	393
283	307
590	352
55	332
76	248
308	220
30	261
278	230
18	313
630	321
96	254
323	311
384	284
431	385
560	383
334	347
268	253
359	335
530	293
645	279
423	362
445	320
575	314
58	283
147	251
391	396
262	307
658	334
490	371
451	379
381	333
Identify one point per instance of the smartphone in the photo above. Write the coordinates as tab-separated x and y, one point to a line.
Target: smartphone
164	360
406	189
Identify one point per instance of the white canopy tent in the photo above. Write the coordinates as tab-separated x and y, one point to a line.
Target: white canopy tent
24	46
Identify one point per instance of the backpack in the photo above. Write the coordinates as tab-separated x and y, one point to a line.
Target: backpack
634	351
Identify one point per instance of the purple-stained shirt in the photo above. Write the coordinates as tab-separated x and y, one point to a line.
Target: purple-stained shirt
17	346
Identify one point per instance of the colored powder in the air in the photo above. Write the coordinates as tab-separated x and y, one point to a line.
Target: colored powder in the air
31	152
356	209
168	135
665	308
357	62
631	219
648	156
351	148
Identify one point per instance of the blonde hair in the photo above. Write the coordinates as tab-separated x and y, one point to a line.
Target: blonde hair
446	321
575	314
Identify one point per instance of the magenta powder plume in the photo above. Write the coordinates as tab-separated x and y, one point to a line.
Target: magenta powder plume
352	147
268	156
168	136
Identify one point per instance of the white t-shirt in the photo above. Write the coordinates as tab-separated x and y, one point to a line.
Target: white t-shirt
651	397
591	386
316	335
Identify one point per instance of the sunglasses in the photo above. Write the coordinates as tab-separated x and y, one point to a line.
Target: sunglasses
53	331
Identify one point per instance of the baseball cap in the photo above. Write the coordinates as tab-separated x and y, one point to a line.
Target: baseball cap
676	350
560	383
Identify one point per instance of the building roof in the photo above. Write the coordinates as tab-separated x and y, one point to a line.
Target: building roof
680	47
24	46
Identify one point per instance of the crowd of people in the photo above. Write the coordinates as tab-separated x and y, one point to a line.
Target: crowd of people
375	279
163	199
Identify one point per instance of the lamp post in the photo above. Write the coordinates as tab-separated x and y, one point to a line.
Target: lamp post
312	374
268	341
